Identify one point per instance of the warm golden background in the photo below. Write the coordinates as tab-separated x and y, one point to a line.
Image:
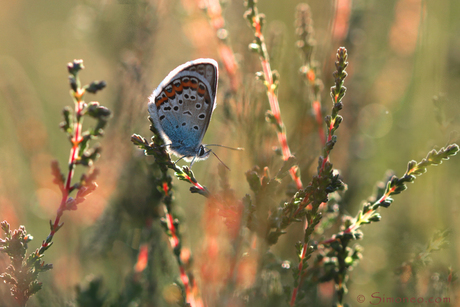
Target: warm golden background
402	53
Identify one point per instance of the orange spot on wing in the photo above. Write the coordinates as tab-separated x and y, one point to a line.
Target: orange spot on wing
172	94
186	84
201	91
161	101
178	88
193	85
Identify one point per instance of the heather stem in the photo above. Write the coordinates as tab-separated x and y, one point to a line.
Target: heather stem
255	20
333	121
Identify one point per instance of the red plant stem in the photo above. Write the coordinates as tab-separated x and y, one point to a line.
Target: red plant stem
195	183
174	241
301	275
319	120
273	101
296	289
214	12
302	256
74	152
329	136
305	201
185	281
301	207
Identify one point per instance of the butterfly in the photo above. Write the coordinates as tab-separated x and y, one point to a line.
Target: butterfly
182	105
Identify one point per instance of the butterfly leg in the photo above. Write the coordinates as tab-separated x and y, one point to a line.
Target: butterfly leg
181	159
193	161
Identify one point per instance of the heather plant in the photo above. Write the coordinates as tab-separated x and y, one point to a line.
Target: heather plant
278	227
23	272
265	215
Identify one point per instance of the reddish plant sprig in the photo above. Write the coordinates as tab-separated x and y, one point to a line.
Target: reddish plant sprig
339	243
307	44
394	186
76	141
270	79
157	149
23	273
174	241
334	120
325	167
163	159
171	227
79	141
79	154
214	11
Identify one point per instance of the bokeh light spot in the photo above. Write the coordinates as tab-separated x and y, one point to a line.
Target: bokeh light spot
375	120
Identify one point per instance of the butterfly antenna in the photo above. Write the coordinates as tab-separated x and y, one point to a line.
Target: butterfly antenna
228	147
219	159
193	161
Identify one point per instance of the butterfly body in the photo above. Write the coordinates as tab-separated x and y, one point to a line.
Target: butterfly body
182	105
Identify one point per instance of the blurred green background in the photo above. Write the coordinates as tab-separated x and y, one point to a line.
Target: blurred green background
402	53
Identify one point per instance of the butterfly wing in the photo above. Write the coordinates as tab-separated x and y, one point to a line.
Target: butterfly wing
182	105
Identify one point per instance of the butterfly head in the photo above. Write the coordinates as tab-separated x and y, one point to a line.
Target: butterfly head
202	152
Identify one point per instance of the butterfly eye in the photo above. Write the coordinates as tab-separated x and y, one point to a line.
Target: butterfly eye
201	151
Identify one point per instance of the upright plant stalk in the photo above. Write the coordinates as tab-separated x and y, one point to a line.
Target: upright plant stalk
270	79
174	239
79	141
23	273
163	160
307	44
324	166
214	11
76	140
